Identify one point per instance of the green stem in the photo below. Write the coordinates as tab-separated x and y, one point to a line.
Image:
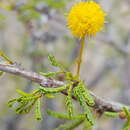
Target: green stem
6	58
79	60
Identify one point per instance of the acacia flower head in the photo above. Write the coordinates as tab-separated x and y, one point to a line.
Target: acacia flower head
86	19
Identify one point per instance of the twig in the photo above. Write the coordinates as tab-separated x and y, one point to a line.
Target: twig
100	104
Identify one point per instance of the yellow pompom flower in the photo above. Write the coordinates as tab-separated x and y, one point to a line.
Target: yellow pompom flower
86	19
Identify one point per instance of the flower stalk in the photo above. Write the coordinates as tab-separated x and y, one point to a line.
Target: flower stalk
79	60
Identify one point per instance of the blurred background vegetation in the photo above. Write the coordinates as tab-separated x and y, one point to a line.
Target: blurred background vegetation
32	29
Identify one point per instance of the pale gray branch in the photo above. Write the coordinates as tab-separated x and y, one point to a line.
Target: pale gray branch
100	104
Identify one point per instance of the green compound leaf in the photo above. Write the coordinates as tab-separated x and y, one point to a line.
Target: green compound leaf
82	100
26	108
79	95
87	125
89	115
23	99
49	95
69	103
12	102
53	90
111	114
58	115
38	114
50	74
22	93
89	99
126	126
20	108
70	125
55	63
24	103
65	116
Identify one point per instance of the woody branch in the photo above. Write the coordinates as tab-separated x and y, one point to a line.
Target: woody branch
100	104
